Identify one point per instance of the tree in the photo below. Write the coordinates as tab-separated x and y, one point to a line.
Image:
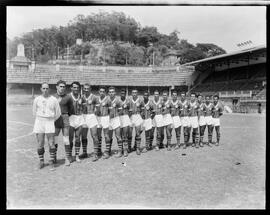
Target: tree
210	49
147	35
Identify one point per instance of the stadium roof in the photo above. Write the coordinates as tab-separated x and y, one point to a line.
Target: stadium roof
229	55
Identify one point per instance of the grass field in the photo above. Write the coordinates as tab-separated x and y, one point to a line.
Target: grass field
231	175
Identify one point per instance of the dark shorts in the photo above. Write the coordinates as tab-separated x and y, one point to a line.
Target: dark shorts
62	121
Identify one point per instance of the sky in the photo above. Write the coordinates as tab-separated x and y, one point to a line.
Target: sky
225	26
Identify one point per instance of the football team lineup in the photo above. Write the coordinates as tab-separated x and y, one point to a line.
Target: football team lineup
80	111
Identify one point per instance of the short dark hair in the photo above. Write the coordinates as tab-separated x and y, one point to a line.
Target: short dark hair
61	82
123	90
112	88
174	91
102	87
164	91
183	93
193	94
216	96
87	85
75	82
156	91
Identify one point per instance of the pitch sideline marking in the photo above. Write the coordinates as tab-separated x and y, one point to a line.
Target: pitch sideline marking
23	123
15	138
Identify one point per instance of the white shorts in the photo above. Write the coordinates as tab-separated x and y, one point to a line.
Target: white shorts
158	120
44	125
185	121
136	120
194	121
76	121
125	121
167	119
216	121
202	121
208	120
114	123
90	120
103	121
176	121
147	124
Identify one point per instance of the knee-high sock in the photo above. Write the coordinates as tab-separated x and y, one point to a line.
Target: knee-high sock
218	133
151	136
193	136
52	151
188	130
41	152
84	145
67	151
210	133
77	147
178	134
186	135
202	129
196	135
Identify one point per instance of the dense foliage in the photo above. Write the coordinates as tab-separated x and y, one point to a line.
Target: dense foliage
108	38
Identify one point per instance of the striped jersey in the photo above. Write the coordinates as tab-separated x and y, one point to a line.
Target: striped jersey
103	106
217	110
201	109
115	105
89	103
208	109
135	107
77	104
147	109
166	106
175	109
157	106
125	107
194	106
184	108
66	103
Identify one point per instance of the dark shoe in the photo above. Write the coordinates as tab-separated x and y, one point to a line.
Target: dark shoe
193	144
84	155
94	158
119	154
125	153
106	155
55	160
67	162
41	165
169	148
197	145
209	144
161	146
157	148
129	149
138	151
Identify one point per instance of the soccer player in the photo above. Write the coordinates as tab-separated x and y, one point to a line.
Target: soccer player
202	123
125	123
62	123
208	119
158	120
103	118
184	117
217	112
147	123
115	106
193	117
175	111
46	110
167	118
90	101
76	120
135	110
